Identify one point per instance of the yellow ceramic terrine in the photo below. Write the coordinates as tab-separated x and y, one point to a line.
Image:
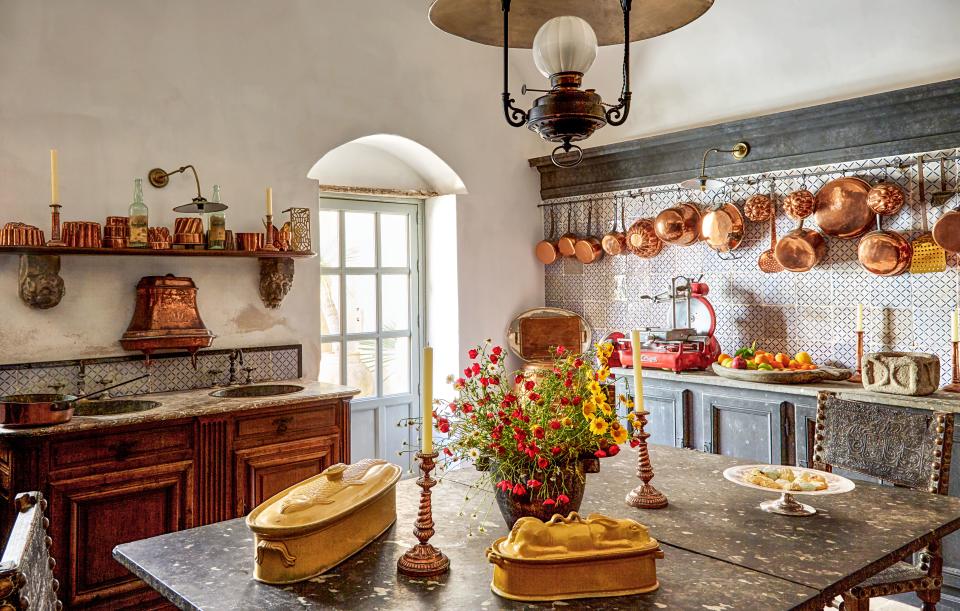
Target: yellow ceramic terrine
571	557
312	526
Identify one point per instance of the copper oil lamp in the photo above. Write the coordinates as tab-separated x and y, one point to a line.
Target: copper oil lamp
564	36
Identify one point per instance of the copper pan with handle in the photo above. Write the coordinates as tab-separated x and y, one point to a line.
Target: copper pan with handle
679	225
842	210
546	250
614	242
567	242
946	231
588	248
801	250
884	253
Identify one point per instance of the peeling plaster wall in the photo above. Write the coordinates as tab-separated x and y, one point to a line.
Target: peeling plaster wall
253	93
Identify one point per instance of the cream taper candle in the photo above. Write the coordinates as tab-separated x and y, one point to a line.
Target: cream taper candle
426	444
859	317
954	326
270	201
54	184
637	370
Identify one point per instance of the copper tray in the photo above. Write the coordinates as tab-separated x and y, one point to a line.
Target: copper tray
842	210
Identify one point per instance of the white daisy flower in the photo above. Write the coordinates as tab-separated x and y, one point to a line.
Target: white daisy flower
474	453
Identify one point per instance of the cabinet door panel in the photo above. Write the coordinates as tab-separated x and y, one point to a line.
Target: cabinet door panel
743	428
266	470
668	422
89	516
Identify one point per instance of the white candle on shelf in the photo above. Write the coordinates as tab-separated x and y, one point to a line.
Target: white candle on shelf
859	317
955	326
637	371
54	184
426	444
269	201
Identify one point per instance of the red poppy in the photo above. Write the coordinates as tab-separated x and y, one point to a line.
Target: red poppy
600	454
533	396
578	363
634	443
542	462
468	373
476	368
564	401
568	383
497	350
562	499
518	379
577	400
519	490
613	450
494	358
554	424
533	484
531	452
555	450
549	503
447	452
461	382
473	353
529	385
484	382
504	485
538	432
560	350
444	427
467	408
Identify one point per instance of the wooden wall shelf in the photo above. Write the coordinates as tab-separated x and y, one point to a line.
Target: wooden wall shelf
41	287
147	252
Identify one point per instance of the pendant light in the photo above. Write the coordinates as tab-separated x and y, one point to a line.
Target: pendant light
564	36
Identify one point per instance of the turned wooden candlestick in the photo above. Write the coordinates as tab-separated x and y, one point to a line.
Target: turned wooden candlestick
954	385
645	496
55	237
857	378
268	238
424	560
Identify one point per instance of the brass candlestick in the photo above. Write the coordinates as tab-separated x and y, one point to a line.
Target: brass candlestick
424	560
645	496
268	241
954	385
857	378
55	239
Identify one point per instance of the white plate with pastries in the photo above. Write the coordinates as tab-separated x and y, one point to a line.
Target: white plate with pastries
788	481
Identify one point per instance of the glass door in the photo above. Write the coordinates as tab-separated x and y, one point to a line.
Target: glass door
370	318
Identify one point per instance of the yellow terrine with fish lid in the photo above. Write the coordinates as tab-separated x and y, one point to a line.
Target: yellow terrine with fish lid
312	526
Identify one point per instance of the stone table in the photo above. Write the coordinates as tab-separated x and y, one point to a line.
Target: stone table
210	567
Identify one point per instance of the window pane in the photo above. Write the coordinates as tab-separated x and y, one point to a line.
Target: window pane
396	365
329	223
330	362
361	304
329	304
359	239
395	307
362	366
393	240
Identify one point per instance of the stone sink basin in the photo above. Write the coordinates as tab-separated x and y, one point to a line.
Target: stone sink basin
260	390
113	407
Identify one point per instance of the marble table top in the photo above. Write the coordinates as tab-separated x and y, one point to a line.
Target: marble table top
852	536
210	567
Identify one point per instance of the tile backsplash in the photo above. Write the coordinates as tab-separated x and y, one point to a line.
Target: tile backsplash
814	311
168	372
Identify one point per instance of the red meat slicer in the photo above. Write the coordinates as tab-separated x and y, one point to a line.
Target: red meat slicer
678	348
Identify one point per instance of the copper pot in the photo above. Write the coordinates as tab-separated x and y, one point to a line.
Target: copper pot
884	253
722	228
546	250
679	225
615	241
588	249
842	210
946	231
642	239
801	249
566	244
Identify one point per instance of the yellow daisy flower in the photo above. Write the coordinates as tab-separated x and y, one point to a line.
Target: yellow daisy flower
618	432
589	409
598	426
594	387
606	409
603	374
568	421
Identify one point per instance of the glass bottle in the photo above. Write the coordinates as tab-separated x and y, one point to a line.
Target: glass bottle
139	217
217	225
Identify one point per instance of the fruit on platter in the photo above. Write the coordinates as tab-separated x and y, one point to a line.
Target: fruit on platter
756	359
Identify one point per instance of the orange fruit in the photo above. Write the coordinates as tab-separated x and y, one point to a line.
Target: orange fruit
783	359
723	356
803	357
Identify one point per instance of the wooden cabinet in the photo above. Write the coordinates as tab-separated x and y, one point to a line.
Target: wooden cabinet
115	485
737	426
669	419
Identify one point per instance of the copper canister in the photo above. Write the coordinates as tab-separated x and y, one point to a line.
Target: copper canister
166	317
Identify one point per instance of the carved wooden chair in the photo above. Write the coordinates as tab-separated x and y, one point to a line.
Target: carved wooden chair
26	568
900	446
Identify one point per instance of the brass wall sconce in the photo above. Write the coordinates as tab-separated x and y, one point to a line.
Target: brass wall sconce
703	182
160	179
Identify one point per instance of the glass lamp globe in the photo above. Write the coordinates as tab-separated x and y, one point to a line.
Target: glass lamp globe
564	44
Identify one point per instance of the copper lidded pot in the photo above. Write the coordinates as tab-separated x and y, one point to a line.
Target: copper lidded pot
679	225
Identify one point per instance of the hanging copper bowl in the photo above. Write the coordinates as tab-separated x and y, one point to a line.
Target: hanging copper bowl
842	210
642	239
801	249
884	253
722	228
886	198
679	225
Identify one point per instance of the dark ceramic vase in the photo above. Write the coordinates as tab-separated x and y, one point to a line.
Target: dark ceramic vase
513	507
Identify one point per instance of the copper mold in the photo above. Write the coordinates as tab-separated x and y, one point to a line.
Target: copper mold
679	225
20	234
799	204
886	198
82	234
159	238
249	241
166	318
842	210
642	239
758	208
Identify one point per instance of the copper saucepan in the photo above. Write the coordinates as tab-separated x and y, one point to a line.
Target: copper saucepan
546	250
842	210
884	253
946	231
567	242
45	409
679	225
588	249
722	228
801	249
615	241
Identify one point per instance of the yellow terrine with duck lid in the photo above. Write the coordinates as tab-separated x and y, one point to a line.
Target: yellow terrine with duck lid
572	557
315	525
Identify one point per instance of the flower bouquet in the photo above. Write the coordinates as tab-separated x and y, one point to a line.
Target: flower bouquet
534	434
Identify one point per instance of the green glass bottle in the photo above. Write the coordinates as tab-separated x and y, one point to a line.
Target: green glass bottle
217	225
139	217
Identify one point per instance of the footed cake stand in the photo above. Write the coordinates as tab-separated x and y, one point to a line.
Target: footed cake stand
787	505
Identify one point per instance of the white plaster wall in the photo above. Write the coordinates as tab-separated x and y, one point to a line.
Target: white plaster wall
745	58
253	93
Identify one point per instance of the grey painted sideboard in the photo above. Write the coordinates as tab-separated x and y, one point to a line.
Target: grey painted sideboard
767	424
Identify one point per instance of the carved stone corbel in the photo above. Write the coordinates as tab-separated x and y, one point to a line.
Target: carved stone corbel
40	283
276	278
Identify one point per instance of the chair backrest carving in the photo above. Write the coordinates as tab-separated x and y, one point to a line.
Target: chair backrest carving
26	568
899	445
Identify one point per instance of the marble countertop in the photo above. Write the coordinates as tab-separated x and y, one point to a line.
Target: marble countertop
210	567
940	400
187	404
